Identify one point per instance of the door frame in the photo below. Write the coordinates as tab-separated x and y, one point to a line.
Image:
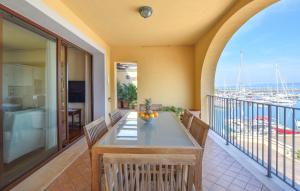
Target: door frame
59	42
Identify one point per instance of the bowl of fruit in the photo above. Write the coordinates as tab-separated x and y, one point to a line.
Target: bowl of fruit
148	115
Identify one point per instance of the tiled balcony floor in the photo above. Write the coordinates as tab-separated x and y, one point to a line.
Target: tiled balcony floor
220	172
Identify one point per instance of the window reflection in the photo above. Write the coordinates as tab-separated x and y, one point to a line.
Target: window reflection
28	100
133	123
132	115
129	127
127	134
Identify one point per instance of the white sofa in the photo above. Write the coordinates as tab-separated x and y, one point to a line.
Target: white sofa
24	132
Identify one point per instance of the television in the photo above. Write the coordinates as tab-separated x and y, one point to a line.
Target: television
76	91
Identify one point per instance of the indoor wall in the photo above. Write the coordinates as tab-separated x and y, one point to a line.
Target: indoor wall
76	72
166	73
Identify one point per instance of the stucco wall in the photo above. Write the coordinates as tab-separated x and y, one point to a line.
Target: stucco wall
210	46
165	73
68	15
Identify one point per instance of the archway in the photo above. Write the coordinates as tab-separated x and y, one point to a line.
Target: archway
210	47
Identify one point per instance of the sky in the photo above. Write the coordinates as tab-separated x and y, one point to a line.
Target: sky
269	40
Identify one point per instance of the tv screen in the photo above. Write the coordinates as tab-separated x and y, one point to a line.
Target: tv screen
76	91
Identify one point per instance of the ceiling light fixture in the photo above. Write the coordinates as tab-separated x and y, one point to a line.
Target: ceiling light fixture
145	11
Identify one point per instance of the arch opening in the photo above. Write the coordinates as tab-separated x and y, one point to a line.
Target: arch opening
210	46
258	96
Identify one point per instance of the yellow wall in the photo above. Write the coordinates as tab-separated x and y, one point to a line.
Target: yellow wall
201	48
210	46
165	73
173	75
67	14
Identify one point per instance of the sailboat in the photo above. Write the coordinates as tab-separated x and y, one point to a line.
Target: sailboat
281	98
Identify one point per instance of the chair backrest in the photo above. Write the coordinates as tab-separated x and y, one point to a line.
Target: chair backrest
146	172
94	131
199	130
187	118
115	117
154	107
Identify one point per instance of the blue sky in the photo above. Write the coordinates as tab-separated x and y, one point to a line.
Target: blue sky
270	38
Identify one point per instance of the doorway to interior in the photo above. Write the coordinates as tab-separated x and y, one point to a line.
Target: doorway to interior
78	98
126	85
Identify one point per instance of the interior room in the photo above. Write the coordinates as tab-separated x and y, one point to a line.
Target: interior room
79	91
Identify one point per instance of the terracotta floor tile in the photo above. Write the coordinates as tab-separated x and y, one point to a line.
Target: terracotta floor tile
220	172
234	187
217	187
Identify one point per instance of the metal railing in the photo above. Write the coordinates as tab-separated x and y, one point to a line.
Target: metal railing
267	133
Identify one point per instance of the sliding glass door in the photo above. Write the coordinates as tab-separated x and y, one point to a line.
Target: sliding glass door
45	96
28	98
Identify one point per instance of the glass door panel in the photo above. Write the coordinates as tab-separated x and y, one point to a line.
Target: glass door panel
28	97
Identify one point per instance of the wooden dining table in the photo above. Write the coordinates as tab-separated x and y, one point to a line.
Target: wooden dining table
164	135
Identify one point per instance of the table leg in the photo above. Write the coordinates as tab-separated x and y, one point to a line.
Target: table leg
96	180
198	172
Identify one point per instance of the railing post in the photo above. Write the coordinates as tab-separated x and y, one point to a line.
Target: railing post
213	113
269	140
227	123
209	110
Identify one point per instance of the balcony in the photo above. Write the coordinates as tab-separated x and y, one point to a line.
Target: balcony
266	133
246	149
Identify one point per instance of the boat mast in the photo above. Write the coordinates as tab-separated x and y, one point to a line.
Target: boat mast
238	81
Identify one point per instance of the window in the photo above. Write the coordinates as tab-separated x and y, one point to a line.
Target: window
28	98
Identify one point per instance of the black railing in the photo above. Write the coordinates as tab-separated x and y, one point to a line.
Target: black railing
267	133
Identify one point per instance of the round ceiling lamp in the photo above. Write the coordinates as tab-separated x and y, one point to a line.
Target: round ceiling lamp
145	11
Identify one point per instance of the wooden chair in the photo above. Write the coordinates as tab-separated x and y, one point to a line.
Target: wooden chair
199	131
187	118
94	131
154	107
146	172
115	117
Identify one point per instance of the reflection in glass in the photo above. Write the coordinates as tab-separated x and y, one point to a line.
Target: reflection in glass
132	115
165	131
127	134
28	100
133	123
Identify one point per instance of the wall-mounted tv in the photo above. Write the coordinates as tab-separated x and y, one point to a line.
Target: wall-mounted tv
76	91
